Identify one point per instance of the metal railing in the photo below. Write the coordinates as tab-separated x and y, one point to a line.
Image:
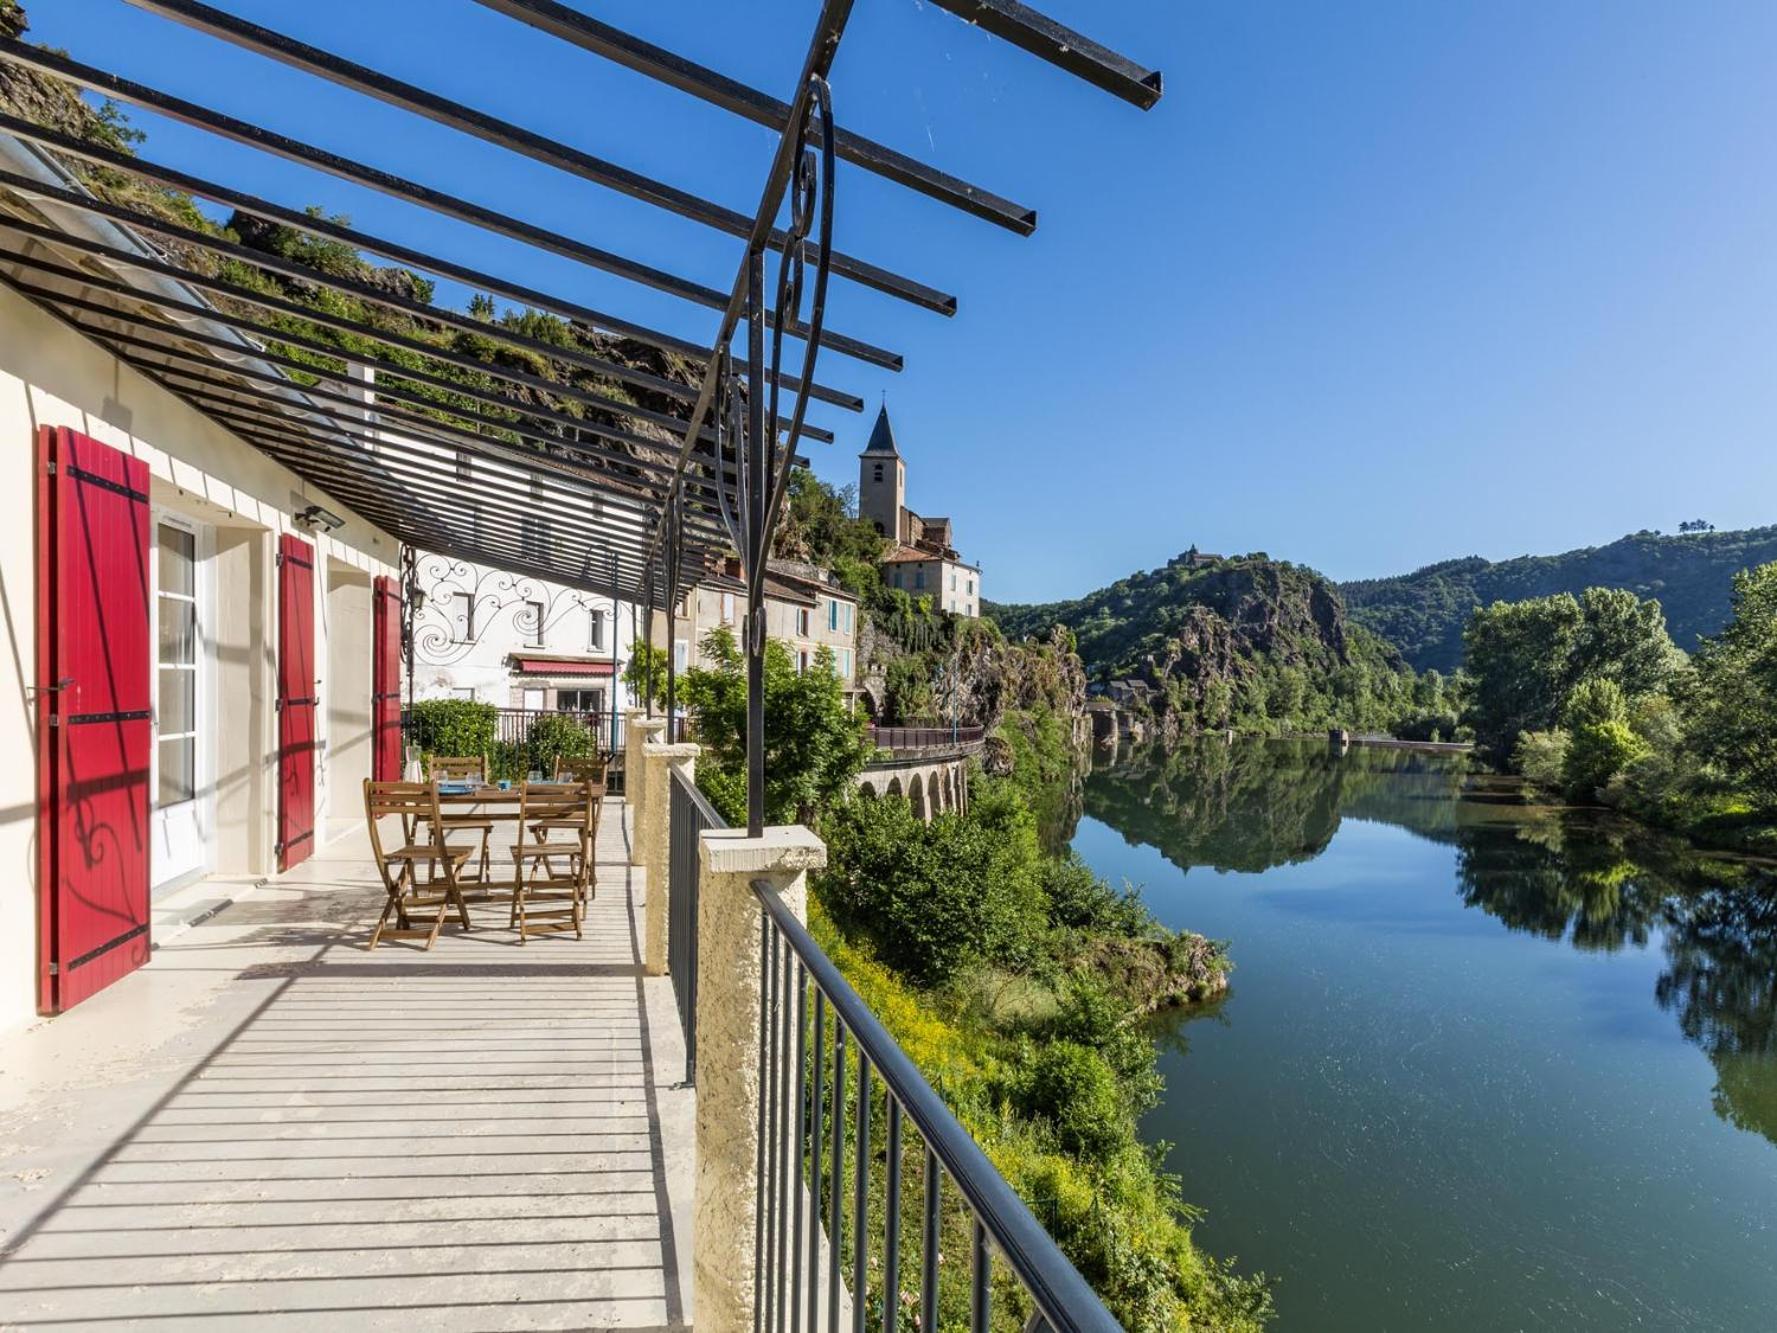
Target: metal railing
512	726
926	738
810	1232
689	814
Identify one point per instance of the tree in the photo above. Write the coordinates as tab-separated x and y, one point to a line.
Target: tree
1601	742
814	745
1526	659
638	674
1730	706
1519	656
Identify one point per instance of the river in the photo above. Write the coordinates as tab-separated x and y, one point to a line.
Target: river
1483	1065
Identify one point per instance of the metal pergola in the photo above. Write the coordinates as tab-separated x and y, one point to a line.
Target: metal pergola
632	491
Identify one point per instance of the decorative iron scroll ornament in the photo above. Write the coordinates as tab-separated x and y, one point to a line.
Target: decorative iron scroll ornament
531	607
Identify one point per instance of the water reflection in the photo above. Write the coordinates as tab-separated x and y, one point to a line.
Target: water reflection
1577	878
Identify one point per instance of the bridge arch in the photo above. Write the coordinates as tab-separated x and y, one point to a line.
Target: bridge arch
916	793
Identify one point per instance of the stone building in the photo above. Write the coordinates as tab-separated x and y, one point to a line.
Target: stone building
805	610
923	560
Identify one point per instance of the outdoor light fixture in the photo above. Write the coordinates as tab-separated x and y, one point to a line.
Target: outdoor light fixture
317	517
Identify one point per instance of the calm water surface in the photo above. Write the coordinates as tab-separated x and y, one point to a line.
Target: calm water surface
1483	1066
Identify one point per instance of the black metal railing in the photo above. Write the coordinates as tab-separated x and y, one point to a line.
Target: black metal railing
934	737
513	727
832	1233
689	814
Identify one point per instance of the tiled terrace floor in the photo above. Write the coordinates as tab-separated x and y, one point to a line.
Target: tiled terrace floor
270	1127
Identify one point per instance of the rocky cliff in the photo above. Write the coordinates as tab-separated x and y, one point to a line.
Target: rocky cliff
1249	643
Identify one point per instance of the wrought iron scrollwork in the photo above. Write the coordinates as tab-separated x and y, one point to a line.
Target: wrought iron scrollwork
532	606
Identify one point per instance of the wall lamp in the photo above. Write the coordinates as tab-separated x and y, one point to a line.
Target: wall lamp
317	517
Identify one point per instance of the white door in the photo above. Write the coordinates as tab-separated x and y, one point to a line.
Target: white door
184	739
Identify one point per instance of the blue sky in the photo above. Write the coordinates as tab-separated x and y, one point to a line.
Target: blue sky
1376	284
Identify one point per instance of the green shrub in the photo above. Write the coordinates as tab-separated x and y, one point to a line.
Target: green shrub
556	736
1598	752
1080	900
1075	1089
453	727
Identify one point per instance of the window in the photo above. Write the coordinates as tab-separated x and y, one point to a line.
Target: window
802	622
953	580
464	693
897	577
919	577
595	631
877	474
833	615
848	614
580	701
462	617
681	654
802	663
534	697
971	587
727	608
530	620
176	688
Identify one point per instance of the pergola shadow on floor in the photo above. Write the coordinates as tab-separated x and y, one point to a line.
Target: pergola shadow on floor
270	1125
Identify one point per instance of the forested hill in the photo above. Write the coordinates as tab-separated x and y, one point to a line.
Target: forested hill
1246	642
1423	613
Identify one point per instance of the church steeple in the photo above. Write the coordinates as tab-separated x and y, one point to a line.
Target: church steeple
882	438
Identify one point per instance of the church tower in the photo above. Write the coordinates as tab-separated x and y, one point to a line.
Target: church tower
882	481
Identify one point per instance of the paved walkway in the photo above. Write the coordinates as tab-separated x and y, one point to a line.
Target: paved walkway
270	1127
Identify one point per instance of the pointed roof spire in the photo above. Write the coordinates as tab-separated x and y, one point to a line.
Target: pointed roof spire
882	438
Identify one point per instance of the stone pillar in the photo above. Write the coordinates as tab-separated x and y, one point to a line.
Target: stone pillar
641	731
654	835
729	983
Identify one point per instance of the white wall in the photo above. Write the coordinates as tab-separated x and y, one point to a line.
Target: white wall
445	667
50	375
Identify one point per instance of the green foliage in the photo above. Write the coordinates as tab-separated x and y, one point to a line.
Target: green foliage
453	727
814	745
1074	1088
1424	613
647	664
821	525
1541	756
556	736
1731	706
937	898
1527	659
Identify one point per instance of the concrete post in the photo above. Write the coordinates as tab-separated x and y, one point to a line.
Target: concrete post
654	835
729	986
641	731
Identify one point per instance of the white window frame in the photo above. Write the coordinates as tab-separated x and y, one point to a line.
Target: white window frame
462	627
534	627
204	709
595	630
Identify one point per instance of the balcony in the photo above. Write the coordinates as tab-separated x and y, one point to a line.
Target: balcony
688	1108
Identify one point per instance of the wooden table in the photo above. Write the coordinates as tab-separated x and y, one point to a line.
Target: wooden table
503	805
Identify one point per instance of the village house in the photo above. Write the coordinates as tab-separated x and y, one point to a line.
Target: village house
805	610
923	559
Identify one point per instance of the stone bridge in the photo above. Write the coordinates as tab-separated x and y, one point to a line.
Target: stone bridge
929	766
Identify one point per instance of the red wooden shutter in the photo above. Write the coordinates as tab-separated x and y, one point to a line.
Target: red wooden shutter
297	698
95	716
385	681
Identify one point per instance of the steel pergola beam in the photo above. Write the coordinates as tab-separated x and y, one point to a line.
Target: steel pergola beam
699	81
369	332
357	173
576	162
396	251
291	268
1062	47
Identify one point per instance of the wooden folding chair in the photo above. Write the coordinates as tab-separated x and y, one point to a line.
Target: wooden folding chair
553	876
415	805
590	769
467	768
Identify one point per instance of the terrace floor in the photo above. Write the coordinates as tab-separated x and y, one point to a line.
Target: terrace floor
269	1126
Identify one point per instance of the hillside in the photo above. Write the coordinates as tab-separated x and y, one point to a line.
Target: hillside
1423	613
1249	642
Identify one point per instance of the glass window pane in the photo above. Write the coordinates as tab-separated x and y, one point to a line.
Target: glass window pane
178	632
177	762
178	561
177	709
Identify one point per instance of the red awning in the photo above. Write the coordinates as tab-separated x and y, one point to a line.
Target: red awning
563	666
